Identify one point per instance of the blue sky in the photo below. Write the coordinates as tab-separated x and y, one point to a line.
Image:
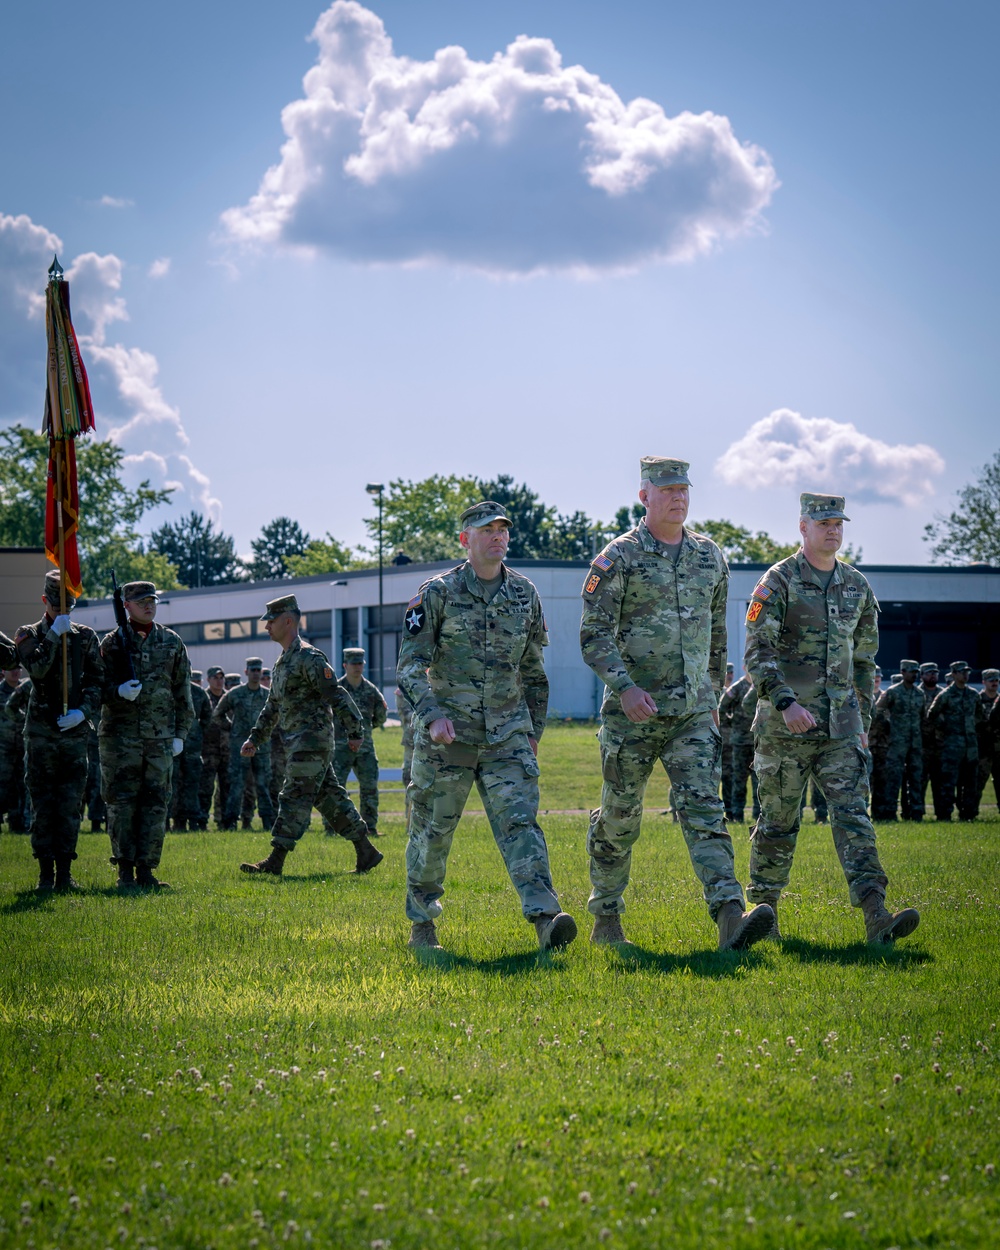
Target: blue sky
782	267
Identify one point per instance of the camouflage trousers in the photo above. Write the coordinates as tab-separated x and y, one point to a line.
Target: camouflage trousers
364	764
186	804
96	809
740	773
988	764
959	782
13	803
55	773
840	766
506	776
901	773
241	768
277	766
136	775
690	749
407	774
214	767
311	782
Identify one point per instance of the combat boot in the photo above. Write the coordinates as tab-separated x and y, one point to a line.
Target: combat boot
144	879
739	930
46	874
64	875
97	826
608	931
424	935
126	874
373	832
272	865
774	933
246	823
554	931
368	856
882	925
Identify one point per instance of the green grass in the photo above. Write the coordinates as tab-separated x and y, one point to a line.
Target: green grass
244	1063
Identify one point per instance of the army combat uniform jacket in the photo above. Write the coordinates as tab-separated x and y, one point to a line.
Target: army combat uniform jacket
475	662
238	710
656	624
369	701
816	646
39	653
903	707
303	693
164	709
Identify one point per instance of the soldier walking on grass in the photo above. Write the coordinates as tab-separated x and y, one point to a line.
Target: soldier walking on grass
55	740
654	631
144	722
812	635
471	667
303	692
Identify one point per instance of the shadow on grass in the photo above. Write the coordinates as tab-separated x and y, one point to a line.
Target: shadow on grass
27	900
516	965
855	953
317	878
712	964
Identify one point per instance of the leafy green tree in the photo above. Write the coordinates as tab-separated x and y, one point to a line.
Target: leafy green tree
740	546
203	556
531	520
323	555
279	541
108	536
576	537
421	518
970	534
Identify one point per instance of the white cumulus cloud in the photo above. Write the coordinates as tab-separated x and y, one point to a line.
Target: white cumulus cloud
815	453
160	267
115	201
130	406
514	165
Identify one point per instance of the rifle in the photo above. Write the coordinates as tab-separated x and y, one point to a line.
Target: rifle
124	629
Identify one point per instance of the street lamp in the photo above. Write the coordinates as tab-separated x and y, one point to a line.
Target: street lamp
378	488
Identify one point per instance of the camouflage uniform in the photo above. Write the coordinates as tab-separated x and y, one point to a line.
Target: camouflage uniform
405	714
55	762
478	662
12	797
278	756
987	743
97	809
817	647
136	740
736	718
903	707
993	728
364	762
303	692
8	652
954	718
186	804
661	626
239	709
930	754
214	766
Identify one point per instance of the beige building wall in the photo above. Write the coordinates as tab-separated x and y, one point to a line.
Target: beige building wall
22	578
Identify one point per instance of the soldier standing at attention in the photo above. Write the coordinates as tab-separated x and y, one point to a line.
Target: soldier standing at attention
238	710
55	741
812	635
214	756
144	722
954	718
11	749
987	747
471	667
186	806
930	689
902	706
654	631
303	693
370	703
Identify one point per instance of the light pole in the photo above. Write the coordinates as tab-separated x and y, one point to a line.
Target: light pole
378	488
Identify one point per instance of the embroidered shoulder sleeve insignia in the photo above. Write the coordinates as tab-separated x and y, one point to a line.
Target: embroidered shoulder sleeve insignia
760	591
593	581
602	562
753	611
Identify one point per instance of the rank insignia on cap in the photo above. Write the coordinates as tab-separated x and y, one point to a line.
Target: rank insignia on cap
414	618
602	562
593	581
753	611
762	591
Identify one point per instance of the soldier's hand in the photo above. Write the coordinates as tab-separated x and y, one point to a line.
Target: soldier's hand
178	746
638	705
61	625
70	719
248	748
798	718
442	731
130	690
354	744
533	743
864	741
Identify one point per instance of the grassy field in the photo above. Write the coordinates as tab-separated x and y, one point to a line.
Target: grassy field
248	1063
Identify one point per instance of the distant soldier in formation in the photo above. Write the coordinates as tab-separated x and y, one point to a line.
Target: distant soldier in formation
987	738
145	720
930	689
185	804
12	799
471	666
303	692
61	702
812	635
231	681
902	708
993	725
654	631
954	718
364	761
239	709
736	714
97	811
214	756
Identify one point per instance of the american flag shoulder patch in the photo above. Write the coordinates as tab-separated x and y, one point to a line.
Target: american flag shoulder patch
762	592
602	562
415	601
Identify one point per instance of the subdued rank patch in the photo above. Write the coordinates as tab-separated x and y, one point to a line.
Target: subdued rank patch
753	611
602	562
414	619
593	581
762	591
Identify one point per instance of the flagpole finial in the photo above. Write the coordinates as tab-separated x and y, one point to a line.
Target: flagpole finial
55	269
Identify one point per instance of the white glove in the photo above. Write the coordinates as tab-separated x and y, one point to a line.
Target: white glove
61	625
178	746
70	719
130	690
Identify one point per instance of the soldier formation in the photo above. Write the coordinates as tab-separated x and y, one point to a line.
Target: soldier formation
810	707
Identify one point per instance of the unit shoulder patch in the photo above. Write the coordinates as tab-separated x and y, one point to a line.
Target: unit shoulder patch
593	581
753	611
415	617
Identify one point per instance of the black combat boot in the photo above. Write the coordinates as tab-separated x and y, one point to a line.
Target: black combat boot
64	875
367	856
272	865
46	874
126	874
144	879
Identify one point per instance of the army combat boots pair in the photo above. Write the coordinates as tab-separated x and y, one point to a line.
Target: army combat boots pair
367	859
55	873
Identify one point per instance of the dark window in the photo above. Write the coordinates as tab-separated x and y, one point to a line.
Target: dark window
188	633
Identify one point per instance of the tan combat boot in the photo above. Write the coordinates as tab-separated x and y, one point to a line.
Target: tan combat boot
739	930
271	866
882	925
555	931
424	935
367	855
608	931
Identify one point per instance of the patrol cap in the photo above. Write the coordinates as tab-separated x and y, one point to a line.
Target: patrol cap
822	507
991	674
255	662
287	603
896	677
265	672
216	671
878	671
52	587
232	679
958	666
663	471
139	590
354	655
197	675
481	514
928	667
909	666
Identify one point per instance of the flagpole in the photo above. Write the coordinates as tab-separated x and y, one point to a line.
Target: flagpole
59	451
